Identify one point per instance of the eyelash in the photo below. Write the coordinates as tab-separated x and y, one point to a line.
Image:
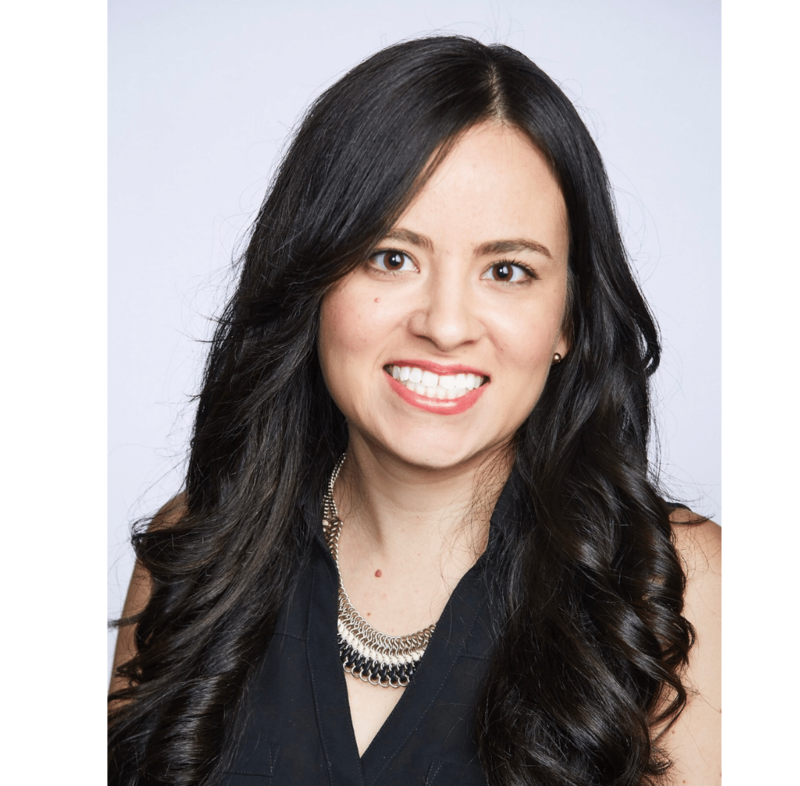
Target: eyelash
387	252
530	273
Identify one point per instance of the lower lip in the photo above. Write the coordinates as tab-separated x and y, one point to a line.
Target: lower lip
452	406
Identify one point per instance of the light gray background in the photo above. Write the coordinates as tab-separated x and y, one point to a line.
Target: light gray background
202	98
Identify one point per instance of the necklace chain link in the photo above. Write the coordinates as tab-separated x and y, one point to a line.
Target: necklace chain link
372	656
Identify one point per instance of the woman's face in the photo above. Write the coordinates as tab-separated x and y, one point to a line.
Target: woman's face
437	348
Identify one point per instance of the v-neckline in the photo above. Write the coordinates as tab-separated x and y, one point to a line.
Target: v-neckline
330	688
332	705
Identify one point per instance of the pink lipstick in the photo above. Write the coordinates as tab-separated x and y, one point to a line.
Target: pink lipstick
434	387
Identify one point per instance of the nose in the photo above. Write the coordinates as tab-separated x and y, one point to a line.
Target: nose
447	315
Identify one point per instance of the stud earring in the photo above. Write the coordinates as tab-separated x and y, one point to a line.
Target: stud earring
557	358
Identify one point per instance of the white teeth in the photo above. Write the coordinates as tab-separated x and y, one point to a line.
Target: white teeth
429	379
430	385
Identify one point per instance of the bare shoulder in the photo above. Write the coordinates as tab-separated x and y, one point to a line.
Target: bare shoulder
139	591
698	539
694	742
171	513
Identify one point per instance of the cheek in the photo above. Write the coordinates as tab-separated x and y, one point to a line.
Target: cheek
341	330
357	317
352	324
526	341
527	336
343	321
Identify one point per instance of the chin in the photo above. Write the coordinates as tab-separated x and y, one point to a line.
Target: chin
437	452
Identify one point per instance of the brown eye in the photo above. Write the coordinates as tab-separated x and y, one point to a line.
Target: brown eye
509	272
392	261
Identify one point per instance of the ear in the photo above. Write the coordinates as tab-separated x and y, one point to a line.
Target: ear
563	343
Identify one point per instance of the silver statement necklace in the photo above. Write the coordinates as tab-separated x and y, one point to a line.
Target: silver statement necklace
388	661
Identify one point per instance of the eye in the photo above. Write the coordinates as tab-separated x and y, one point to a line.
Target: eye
509	273
392	261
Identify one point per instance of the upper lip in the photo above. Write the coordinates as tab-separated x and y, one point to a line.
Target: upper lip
438	368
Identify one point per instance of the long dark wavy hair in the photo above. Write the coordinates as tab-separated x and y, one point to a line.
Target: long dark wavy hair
591	640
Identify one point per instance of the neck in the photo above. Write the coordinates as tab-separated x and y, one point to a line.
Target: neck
424	517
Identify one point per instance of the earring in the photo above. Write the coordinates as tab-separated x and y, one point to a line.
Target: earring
556	358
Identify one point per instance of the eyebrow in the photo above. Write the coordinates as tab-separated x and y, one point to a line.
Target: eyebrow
511	247
407	236
489	248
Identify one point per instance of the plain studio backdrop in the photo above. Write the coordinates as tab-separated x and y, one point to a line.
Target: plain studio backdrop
203	96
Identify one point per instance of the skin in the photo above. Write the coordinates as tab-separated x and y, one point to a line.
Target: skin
445	306
418	487
408	492
694	742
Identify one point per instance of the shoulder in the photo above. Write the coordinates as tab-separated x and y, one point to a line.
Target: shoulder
698	540
139	591
169	515
694	741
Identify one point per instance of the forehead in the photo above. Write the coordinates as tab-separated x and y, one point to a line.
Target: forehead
493	183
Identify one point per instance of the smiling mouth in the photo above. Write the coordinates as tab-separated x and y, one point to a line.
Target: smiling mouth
435	386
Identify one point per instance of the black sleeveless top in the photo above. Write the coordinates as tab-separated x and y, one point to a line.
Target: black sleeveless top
297	729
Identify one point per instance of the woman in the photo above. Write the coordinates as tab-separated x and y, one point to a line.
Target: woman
419	539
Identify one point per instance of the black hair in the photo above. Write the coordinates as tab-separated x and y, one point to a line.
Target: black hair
591	638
